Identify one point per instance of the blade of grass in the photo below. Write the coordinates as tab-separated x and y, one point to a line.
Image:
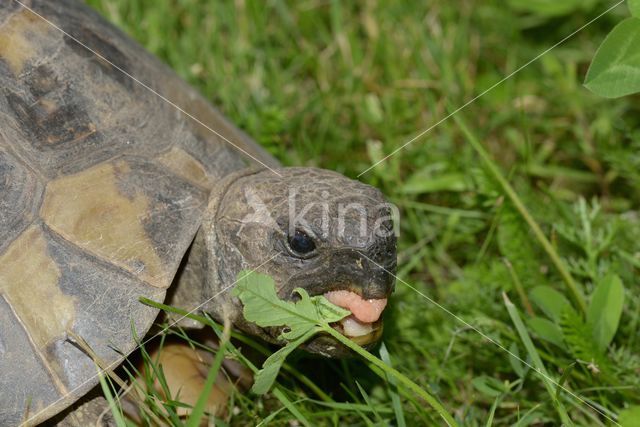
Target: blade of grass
200	406
492	411
350	406
519	288
245	340
528	417
393	389
276	391
369	403
115	409
571	284
535	359
564	377
279	394
104	368
435	404
153	372
266	421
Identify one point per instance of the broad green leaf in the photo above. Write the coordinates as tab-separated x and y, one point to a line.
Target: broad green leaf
605	310
634	7
546	330
552	302
630	417
615	69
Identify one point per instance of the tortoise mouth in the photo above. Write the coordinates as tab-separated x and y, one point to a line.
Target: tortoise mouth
364	292
364	326
371	336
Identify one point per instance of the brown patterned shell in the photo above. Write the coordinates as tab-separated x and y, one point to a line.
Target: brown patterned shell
102	187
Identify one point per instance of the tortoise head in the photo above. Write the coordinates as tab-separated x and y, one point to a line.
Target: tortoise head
312	229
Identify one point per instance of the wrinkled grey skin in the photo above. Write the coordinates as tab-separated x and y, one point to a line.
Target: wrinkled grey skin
235	236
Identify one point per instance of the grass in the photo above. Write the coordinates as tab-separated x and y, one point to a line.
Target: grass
342	84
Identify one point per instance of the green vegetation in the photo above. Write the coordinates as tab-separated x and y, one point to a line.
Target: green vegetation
304	319
519	213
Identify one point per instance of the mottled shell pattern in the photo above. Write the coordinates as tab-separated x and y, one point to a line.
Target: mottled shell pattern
102	188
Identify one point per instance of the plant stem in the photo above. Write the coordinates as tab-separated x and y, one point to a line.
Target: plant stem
435	404
537	231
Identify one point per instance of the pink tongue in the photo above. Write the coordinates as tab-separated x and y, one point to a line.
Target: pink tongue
366	311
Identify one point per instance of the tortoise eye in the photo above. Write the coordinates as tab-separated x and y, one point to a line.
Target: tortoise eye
301	243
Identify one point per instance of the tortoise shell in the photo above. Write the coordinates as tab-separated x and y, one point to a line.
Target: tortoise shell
104	177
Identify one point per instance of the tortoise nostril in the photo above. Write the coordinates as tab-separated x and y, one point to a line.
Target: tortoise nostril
379	286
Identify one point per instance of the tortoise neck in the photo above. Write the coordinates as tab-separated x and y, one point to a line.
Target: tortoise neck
198	286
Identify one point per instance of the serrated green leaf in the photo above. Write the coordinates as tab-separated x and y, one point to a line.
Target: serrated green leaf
615	69
578	337
519	247
263	306
302	318
266	376
546	330
634	7
603	315
550	301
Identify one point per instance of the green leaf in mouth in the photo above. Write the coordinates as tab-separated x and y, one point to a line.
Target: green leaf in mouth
303	319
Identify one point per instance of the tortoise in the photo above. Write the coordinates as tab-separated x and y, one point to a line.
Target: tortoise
119	181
